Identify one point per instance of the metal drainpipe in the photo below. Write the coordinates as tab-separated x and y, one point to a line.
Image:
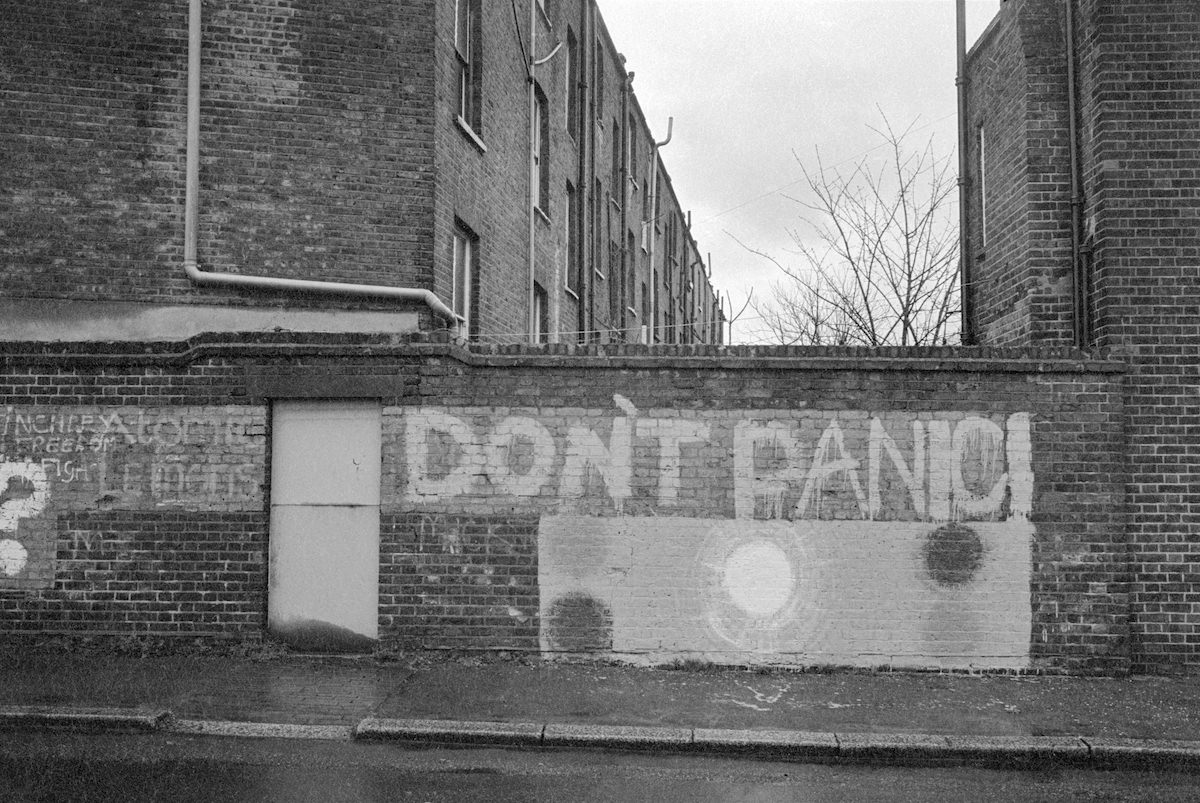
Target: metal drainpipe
966	303
583	181
653	221
1081	323
530	74
191	214
534	178
593	241
626	194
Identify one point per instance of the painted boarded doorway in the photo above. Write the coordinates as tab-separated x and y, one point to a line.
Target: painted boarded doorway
324	572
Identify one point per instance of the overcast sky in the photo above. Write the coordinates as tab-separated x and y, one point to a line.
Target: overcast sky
754	84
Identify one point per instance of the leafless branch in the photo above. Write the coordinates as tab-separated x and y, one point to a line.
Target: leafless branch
878	256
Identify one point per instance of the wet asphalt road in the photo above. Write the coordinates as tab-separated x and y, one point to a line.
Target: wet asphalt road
171	767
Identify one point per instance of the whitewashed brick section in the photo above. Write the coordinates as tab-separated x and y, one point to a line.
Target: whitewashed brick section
849	593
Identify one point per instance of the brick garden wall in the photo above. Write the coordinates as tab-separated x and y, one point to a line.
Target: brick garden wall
804	507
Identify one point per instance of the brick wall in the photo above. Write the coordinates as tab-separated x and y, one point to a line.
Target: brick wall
1142	128
316	148
1139	110
1020	206
482	176
938	508
330	150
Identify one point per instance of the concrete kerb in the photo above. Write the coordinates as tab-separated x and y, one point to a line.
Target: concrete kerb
1142	753
450	732
787	745
92	720
900	749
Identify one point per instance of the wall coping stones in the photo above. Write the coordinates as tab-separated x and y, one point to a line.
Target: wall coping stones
419	347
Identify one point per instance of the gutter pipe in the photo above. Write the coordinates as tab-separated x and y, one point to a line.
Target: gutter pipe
531	66
1081	319
966	277
585	129
530	76
628	274
650	224
191	265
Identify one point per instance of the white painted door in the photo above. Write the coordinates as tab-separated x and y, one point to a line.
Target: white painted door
324	572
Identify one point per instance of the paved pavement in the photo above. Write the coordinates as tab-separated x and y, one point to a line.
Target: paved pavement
902	717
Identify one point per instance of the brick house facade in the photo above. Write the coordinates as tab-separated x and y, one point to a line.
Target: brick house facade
386	144
1137	117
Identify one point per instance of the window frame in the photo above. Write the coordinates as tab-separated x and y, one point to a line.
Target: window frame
981	168
574	273
464	278
573	110
541	314
617	164
467	53
540	152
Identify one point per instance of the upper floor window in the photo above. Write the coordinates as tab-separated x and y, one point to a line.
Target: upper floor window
981	180
574	255
465	292
618	191
572	72
541	314
598	77
541	151
468	52
633	149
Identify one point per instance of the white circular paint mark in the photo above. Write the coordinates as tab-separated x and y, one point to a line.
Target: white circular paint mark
758	578
13	557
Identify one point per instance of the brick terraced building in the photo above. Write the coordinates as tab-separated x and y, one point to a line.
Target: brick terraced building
383	166
1084	196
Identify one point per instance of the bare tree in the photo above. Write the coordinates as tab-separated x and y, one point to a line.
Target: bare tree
878	261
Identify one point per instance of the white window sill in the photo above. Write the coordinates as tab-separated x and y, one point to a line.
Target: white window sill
465	127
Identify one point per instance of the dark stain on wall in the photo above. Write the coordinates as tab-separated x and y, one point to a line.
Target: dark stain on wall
577	622
317	636
953	553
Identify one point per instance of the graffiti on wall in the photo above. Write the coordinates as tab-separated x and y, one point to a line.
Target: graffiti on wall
162	456
848	537
795	466
24	492
71	458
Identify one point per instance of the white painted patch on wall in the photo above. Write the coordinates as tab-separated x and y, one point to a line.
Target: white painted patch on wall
24	492
844	593
13	557
758	578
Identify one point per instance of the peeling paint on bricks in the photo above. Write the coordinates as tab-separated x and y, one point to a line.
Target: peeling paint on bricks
849	558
